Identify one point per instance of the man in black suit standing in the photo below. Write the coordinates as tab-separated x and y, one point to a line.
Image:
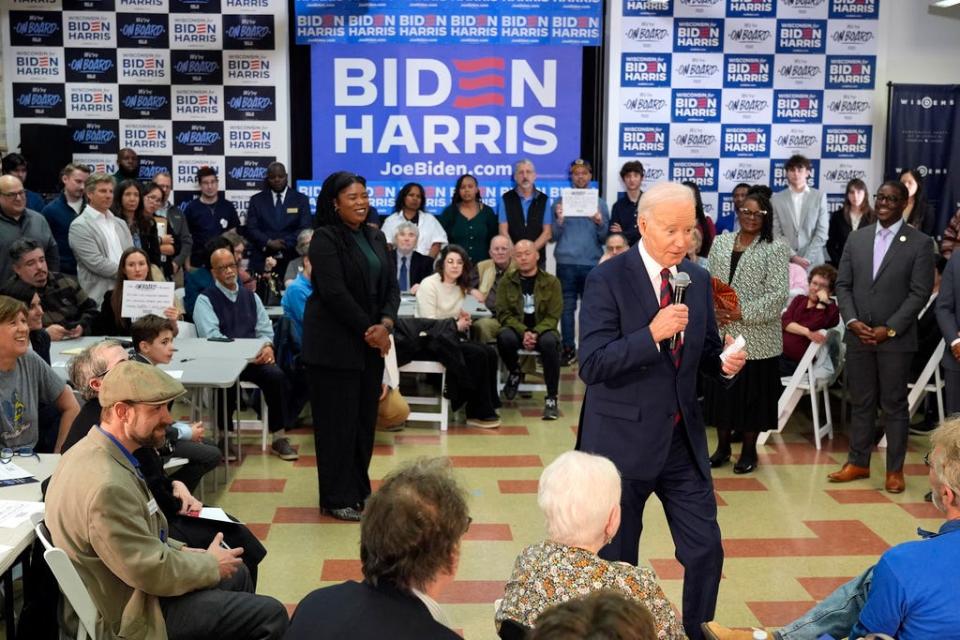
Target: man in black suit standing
886	276
412	266
274	218
640	408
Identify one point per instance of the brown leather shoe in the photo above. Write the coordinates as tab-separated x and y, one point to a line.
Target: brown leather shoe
849	472
895	483
714	631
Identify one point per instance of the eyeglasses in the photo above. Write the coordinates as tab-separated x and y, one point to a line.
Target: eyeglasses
746	213
882	197
6	454
13	194
226	267
926	458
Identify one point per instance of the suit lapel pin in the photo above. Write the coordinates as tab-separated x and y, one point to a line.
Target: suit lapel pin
903	238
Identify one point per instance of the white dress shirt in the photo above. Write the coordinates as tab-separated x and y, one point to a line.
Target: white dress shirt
104	223
797	198
653	269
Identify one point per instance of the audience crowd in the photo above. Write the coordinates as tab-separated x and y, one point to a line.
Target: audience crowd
473	282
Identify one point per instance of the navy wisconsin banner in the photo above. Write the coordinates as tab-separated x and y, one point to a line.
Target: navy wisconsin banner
921	135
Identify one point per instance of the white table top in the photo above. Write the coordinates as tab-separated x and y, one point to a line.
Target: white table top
203	363
21	537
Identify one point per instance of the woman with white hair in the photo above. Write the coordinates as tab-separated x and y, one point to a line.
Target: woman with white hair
579	495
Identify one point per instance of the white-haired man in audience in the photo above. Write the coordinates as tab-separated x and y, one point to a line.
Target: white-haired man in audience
910	593
489	273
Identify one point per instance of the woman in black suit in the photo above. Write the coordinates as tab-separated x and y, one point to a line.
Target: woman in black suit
346	334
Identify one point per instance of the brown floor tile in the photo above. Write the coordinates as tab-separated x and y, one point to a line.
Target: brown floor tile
472	592
403	438
738	484
820	588
667	568
921	510
495	461
274	485
341	570
857	496
503	430
518	486
480	531
833	538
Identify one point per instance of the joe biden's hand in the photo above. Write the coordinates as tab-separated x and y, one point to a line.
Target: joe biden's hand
735	361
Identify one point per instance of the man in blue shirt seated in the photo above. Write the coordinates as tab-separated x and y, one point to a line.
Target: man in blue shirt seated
910	593
227	310
209	215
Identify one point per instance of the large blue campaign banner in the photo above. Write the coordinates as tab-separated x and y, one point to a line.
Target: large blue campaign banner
505	22
921	135
396	114
720	92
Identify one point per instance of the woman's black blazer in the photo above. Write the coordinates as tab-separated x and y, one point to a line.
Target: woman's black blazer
342	308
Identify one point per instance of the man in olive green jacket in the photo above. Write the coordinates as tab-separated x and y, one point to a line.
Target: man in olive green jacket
529	304
101	513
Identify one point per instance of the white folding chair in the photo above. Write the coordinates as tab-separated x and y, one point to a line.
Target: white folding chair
801	383
441	417
250	424
70	583
186	329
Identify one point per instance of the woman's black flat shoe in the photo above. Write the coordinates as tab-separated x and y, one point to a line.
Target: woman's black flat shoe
745	465
719	458
348	514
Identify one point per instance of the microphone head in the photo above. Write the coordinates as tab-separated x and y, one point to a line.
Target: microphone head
681	280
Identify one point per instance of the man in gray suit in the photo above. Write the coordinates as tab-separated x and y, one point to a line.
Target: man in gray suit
800	216
948	317
98	238
886	276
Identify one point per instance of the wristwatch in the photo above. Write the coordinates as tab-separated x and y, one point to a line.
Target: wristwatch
891	333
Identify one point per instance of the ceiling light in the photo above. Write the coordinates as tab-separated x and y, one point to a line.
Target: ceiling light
946	3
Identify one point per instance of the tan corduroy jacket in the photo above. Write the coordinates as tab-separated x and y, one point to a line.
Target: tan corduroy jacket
101	513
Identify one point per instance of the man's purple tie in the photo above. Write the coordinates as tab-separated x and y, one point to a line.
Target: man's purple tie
880	248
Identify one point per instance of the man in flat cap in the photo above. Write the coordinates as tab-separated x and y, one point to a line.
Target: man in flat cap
144	584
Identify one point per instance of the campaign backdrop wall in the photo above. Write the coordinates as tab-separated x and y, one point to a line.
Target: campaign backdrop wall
429	113
184	83
921	134
724	91
535	22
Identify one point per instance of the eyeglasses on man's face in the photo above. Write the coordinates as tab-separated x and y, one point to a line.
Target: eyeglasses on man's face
13	194
882	197
226	267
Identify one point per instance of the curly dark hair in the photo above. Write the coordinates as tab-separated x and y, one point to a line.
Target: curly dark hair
413	524
464	280
332	186
602	614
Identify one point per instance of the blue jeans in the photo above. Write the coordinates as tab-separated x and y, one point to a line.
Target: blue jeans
572	279
835	615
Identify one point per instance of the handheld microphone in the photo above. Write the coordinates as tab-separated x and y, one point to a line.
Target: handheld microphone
680	283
